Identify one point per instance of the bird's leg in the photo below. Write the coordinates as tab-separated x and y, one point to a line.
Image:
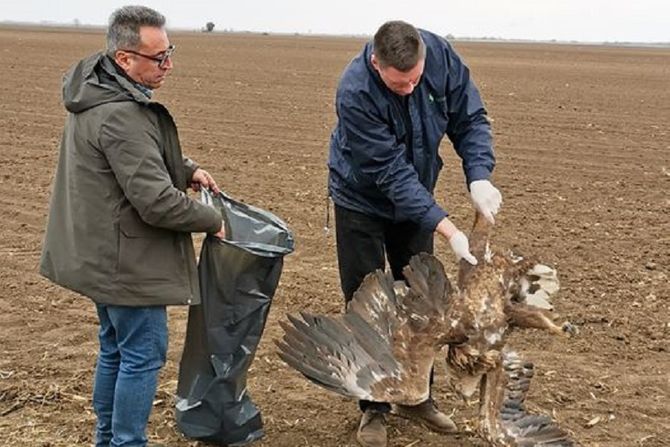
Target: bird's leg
491	395
530	317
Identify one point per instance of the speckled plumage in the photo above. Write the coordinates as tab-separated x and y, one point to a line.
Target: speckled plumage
383	348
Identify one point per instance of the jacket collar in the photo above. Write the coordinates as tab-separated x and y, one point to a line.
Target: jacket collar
138	92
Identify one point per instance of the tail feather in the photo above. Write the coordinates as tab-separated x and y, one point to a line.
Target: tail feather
526	429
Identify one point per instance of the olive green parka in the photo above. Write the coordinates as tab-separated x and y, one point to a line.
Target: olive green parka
120	222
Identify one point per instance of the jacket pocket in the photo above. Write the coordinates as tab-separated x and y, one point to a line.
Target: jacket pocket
132	226
341	157
148	254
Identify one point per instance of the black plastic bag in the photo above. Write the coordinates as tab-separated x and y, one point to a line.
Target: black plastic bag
238	278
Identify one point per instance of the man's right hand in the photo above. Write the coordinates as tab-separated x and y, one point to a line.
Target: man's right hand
486	198
202	179
457	240
221	234
461	247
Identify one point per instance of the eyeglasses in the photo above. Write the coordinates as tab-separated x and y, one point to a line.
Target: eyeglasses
161	60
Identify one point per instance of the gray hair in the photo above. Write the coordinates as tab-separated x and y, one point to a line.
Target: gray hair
124	26
399	45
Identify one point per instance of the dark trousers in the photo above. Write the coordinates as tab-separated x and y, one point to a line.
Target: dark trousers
364	244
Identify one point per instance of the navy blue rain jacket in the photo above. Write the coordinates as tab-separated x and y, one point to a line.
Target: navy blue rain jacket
372	169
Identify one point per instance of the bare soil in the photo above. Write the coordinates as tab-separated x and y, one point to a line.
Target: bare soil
583	145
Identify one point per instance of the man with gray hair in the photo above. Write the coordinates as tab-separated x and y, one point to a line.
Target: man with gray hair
120	221
395	102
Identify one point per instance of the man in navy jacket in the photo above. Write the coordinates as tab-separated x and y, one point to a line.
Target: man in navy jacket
395	102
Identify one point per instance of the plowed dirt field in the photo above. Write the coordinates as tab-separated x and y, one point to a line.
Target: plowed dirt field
582	137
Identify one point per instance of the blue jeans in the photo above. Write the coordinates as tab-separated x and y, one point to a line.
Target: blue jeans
133	346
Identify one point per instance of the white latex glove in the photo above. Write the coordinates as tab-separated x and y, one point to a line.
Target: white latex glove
461	247
486	197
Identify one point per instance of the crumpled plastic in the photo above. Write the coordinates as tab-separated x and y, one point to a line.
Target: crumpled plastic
238	278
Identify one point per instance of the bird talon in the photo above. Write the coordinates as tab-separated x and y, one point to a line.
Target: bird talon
570	329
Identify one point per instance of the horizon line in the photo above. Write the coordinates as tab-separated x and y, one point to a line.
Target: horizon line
449	36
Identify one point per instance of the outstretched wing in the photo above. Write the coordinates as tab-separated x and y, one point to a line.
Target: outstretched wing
377	302
537	285
382	349
526	429
349	354
400	307
429	287
341	353
530	305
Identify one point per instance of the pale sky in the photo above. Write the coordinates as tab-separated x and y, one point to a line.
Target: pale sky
580	20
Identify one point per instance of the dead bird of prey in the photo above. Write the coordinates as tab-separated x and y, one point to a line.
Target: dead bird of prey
383	348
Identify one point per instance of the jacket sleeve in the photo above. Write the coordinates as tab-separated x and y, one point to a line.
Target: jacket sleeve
130	143
189	167
377	156
469	129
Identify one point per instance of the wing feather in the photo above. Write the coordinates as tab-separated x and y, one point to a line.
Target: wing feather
326	351
429	286
375	302
367	353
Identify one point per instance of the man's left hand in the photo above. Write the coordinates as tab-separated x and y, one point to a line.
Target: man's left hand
202	179
486	197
